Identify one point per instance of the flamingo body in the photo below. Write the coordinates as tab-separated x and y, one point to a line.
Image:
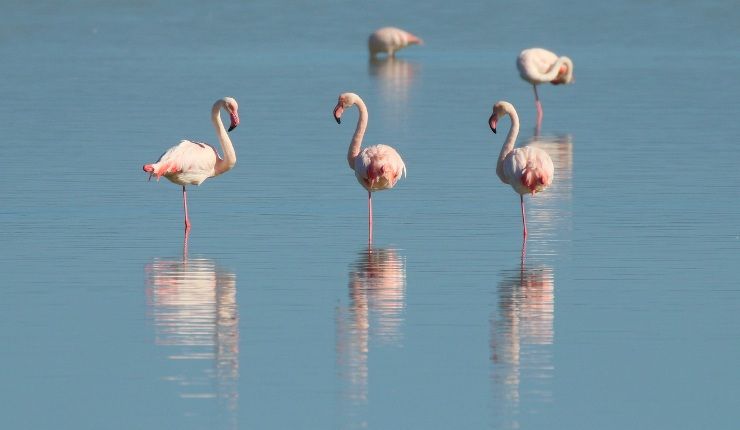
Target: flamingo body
376	167
389	40
379	167
538	66
528	170
191	163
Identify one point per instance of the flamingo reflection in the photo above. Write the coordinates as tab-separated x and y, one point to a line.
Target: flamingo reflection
374	315
552	210
396	77
522	335
193	306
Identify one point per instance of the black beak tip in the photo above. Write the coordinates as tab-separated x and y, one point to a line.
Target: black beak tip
231	128
339	120
493	130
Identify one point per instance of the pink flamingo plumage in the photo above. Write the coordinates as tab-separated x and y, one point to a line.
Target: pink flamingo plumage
191	163
528	170
538	66
376	167
390	40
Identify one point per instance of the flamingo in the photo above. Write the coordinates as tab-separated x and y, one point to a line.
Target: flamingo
390	40
528	170
537	66
376	167
191	162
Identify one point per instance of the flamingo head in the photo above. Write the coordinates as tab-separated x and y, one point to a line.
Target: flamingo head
499	110
345	101
232	107
565	74
413	40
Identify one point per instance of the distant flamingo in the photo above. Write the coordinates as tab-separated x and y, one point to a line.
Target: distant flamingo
528	170
390	40
376	167
191	163
537	66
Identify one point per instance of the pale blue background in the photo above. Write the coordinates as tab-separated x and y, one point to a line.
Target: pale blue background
625	314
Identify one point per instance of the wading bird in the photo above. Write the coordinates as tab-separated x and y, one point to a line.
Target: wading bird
191	163
528	170
389	40
376	167
538	66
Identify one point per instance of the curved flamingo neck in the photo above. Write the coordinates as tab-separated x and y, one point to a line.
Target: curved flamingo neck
509	143
354	146
229	155
554	71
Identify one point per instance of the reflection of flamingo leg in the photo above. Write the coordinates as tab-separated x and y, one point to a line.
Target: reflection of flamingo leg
369	217
185	246
524	216
185	207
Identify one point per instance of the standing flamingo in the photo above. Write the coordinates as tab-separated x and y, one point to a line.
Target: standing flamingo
191	163
537	66
390	40
376	167
528	170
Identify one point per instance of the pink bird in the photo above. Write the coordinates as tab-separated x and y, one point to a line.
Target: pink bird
528	170
191	163
390	40
376	167
537	66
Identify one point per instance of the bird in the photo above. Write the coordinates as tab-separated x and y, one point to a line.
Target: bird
528	170
538	66
390	40
191	162
376	167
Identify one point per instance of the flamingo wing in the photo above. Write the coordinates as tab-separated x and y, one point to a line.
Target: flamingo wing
188	162
533	63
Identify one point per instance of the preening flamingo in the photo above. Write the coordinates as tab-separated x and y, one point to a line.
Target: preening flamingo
537	66
528	170
191	163
390	40
376	167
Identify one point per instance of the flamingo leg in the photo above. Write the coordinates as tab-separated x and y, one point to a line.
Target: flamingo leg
369	217
185	207
524	216
539	107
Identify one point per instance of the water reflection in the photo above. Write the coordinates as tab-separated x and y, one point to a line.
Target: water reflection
193	306
374	315
551	210
396	77
522	334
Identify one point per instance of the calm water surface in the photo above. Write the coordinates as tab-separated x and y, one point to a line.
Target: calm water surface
623	313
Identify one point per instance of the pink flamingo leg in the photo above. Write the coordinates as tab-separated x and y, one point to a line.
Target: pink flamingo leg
185	206
539	107
524	216
369	217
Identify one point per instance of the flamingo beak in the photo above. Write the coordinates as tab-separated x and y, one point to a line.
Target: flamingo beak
338	113
234	120
492	121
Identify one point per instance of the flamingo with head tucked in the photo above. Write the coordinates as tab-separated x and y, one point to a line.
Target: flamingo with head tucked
528	170
376	167
191	163
390	40
537	66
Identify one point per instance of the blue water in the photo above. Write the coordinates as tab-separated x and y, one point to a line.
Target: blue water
623	313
